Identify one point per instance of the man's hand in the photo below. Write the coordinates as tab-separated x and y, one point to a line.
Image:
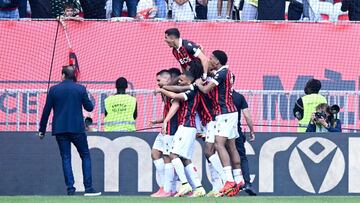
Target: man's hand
313	118
157	90
163	129
151	123
204	76
41	135
252	136
323	122
199	82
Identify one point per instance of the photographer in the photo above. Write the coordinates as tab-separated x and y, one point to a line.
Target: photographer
306	105
325	119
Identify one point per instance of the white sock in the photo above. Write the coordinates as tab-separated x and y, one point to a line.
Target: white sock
189	179
238	177
216	163
159	165
168	177
174	183
179	168
228	174
215	179
193	175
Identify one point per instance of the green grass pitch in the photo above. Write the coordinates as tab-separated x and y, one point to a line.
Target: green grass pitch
142	199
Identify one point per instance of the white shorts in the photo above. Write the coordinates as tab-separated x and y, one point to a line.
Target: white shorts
183	142
210	132
226	125
159	142
167	144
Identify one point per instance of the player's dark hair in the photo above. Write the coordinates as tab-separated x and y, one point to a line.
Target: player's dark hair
313	86
189	75
121	83
173	32
221	56
196	69
162	72
175	72
69	72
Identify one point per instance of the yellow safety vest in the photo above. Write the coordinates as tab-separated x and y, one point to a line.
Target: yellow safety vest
120	113
309	103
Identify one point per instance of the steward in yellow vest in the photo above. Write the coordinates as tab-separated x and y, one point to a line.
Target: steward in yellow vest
306	105
120	109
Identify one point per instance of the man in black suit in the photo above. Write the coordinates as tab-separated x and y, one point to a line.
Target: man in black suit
67	99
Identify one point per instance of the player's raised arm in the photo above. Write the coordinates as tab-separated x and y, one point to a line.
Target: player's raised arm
205	88
177	88
172	95
205	63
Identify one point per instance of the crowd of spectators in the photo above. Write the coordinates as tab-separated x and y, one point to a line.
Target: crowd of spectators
305	10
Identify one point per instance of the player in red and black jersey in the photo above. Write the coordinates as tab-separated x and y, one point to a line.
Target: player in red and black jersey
162	145
186	51
183	142
226	121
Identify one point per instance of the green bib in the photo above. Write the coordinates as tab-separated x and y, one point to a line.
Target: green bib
309	103
120	113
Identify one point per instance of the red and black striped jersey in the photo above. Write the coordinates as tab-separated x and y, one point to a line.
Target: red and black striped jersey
172	125
206	107
188	108
223	100
187	52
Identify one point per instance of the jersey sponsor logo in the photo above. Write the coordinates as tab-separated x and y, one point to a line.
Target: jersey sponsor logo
184	60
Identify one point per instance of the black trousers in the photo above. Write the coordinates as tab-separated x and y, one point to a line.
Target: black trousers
295	11
94	9
240	146
201	11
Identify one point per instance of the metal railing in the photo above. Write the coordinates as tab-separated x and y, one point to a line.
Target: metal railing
20	109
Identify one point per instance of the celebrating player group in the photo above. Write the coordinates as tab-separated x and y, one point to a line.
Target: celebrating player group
198	100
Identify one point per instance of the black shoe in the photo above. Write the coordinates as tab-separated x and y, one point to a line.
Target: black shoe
248	189
71	191
91	193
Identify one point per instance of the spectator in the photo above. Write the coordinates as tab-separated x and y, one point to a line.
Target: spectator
201	9
305	105
324	120
271	10
117	7
184	10
59	8
22	8
94	9
250	10
228	8
311	10
161	9
120	109
353	6
40	9
69	13
9	9
238	6
146	9
295	11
